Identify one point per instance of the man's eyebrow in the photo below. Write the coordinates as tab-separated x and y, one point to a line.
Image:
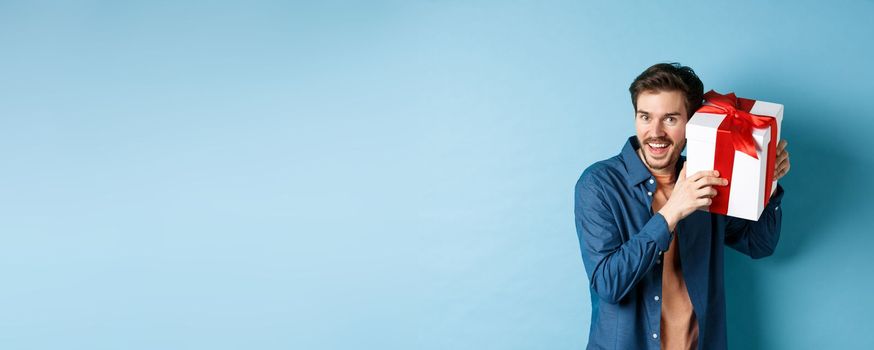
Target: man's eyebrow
672	114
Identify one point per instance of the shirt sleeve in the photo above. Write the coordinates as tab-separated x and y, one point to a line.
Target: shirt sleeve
614	264
757	239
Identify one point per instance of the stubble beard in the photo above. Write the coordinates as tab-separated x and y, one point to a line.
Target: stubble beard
671	160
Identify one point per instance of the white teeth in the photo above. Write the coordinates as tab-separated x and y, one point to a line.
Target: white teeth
658	145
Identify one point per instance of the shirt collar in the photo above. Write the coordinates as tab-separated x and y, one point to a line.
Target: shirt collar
637	171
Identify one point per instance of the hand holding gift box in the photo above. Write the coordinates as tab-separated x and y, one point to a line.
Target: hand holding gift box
737	137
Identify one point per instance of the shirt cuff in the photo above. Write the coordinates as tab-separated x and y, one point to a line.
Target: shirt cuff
657	228
776	198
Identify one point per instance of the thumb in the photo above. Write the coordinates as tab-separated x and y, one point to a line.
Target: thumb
682	176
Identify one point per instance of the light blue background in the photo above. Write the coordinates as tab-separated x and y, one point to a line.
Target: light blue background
393	175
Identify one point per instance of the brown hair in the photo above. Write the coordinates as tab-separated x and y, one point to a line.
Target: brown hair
670	77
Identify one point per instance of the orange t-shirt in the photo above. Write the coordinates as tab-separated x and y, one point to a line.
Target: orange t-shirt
679	327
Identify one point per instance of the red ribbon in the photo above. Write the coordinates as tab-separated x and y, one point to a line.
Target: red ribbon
735	133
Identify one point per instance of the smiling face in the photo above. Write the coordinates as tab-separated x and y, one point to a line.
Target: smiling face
660	121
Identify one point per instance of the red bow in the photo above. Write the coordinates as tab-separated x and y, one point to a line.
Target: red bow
740	121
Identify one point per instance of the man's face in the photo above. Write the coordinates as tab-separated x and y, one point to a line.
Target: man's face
660	121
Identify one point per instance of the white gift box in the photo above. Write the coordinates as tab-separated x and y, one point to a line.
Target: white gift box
746	192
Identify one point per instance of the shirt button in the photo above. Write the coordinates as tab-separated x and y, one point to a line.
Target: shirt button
660	252
655	336
777	208
659	261
651	181
649	193
656	298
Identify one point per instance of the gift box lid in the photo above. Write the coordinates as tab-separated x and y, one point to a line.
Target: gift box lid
704	126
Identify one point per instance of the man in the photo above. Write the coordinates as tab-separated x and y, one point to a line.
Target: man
654	261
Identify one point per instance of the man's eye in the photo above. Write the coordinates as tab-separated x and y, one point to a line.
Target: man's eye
670	120
644	117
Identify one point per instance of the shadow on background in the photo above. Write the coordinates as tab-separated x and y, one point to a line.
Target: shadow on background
817	156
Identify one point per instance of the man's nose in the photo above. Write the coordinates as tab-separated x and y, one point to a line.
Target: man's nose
658	130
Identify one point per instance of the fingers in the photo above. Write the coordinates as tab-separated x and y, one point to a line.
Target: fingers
782	169
705	192
781	151
781	157
709	192
704	202
714	180
781	146
781	161
702	174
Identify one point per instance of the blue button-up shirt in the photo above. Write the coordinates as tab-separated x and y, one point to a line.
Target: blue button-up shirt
622	241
